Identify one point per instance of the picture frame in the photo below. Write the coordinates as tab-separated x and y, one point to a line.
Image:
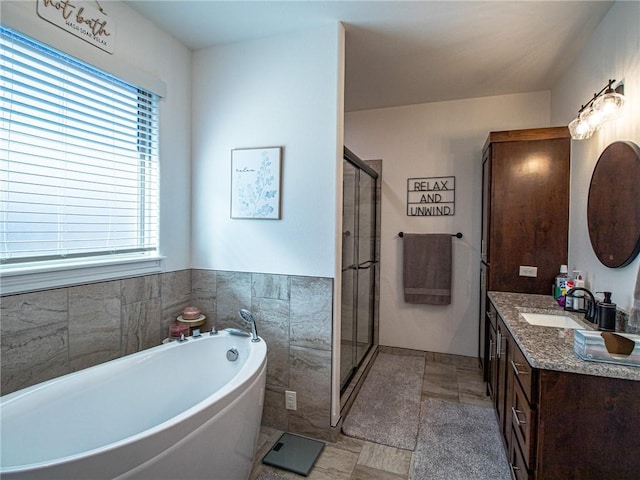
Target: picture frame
256	183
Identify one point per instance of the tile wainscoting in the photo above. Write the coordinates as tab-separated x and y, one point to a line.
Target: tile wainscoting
50	333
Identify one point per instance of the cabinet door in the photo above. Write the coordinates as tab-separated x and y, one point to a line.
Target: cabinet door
486	203
529	213
483	331
502	339
492	363
509	382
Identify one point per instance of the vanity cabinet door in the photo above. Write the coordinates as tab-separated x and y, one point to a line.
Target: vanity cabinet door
486	204
502	402
525	211
492	364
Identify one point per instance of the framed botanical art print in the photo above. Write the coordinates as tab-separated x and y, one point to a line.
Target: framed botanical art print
255	182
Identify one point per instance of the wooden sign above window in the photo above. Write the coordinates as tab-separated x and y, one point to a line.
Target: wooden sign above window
431	196
81	19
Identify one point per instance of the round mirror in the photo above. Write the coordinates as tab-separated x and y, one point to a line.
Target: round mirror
613	210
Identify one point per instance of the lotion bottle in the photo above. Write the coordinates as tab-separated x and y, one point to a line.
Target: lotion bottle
578	300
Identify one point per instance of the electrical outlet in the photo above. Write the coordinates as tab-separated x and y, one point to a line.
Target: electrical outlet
526	271
290	401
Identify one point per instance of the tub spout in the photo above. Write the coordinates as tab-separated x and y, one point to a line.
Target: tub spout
248	318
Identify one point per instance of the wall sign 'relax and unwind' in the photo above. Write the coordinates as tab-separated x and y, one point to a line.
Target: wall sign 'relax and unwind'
431	196
82	19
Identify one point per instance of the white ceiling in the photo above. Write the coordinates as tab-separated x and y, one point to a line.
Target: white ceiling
407	52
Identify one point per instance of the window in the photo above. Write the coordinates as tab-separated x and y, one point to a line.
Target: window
78	160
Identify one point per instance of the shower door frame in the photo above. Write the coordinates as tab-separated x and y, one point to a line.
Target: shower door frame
372	264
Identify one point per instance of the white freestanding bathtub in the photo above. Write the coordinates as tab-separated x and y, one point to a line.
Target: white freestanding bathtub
175	411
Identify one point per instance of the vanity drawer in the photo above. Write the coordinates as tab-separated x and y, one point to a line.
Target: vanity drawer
523	421
517	465
524	373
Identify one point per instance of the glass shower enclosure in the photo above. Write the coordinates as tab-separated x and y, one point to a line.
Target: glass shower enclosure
359	264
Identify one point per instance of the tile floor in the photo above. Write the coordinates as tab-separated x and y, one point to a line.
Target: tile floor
447	377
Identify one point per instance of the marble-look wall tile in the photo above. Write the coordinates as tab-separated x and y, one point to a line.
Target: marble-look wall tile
233	292
310	377
142	326
203	281
311	312
274	414
175	289
33	310
34	355
94	324
47	334
34	345
139	289
272	322
203	295
208	306
270	286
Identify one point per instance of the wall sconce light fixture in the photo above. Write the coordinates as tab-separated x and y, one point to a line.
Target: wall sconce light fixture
604	106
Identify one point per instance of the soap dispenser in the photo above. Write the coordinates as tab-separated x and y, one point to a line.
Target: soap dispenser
606	313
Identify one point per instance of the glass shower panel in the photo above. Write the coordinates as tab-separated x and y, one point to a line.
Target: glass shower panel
358	268
366	265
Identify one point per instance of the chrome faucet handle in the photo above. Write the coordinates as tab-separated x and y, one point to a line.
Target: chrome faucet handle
182	338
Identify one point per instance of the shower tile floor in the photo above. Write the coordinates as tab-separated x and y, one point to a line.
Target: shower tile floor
447	377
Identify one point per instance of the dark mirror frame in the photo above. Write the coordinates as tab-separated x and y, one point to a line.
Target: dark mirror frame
613	210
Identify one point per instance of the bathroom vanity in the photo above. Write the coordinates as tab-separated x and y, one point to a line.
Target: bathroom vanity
560	417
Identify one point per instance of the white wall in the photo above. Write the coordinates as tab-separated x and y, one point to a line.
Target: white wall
612	52
148	57
279	91
430	140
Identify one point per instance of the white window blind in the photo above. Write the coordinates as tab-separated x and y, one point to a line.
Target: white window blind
78	158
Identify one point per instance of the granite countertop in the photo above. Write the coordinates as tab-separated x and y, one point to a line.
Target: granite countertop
548	347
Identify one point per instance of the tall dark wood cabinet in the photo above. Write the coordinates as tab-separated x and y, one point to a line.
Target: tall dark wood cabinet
525	214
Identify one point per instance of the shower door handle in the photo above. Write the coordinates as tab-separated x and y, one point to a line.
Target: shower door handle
367	264
361	266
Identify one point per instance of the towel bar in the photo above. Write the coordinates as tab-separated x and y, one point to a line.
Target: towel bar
457	235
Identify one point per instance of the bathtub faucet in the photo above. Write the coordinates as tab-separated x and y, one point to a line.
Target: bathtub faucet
248	318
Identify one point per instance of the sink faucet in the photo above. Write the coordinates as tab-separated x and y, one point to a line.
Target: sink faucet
248	318
591	310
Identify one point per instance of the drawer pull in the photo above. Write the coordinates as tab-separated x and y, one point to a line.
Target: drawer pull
490	349
516	418
514	469
515	369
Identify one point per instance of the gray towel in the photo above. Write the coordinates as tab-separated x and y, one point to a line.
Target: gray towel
634	316
427	268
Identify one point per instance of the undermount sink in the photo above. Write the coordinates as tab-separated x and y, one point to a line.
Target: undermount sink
550	320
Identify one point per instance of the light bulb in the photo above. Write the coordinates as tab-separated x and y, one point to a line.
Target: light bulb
580	130
609	105
593	117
